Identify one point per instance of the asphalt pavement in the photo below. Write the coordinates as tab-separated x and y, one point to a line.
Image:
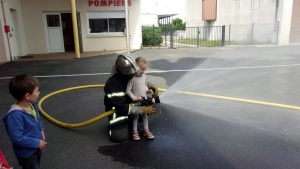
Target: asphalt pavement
244	111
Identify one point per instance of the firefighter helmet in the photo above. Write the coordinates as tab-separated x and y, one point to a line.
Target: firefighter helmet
126	65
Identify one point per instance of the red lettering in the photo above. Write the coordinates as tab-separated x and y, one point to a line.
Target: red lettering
91	3
96	3
103	3
118	3
128	3
109	2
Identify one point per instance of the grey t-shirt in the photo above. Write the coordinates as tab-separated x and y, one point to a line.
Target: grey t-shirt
137	86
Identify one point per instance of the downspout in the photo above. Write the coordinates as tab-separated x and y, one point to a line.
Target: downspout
75	28
127	28
11	58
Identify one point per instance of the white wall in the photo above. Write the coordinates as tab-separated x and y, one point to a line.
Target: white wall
285	22
193	13
234	12
245	12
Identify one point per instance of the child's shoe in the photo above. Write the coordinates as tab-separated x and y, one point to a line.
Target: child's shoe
148	134
135	135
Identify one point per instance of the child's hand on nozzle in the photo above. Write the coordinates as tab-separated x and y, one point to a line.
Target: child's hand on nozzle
150	91
139	98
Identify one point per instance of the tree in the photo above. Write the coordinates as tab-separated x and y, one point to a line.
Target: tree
178	24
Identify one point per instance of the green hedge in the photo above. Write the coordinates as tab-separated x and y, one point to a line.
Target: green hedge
151	38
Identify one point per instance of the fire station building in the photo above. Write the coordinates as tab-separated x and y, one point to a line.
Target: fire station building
46	26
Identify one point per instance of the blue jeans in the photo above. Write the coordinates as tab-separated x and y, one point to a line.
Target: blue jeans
31	162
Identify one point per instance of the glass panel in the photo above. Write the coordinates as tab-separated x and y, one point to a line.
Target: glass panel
116	25
53	21
112	25
98	25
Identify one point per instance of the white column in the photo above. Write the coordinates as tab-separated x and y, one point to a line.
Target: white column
285	22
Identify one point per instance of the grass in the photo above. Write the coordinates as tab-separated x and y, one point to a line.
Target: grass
202	42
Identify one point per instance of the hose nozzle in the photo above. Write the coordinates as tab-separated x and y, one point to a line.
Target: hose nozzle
156	99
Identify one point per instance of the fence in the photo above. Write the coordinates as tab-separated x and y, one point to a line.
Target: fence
209	36
173	37
252	34
193	37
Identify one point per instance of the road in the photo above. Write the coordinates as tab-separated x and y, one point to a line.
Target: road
223	131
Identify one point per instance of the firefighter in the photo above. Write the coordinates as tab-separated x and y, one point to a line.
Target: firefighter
115	98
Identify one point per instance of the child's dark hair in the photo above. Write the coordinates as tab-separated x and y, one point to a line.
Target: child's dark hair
22	84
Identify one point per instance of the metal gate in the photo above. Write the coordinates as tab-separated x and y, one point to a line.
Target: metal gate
194	36
187	37
208	36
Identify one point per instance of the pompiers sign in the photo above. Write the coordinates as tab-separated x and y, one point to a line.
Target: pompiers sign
108	3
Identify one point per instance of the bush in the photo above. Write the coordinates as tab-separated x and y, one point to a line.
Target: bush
150	38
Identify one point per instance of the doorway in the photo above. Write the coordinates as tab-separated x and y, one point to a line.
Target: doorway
67	28
55	41
59	32
14	35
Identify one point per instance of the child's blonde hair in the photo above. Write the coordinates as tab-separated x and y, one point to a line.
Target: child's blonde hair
140	61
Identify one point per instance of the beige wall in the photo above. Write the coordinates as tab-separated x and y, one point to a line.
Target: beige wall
3	55
295	26
33	21
96	43
33	11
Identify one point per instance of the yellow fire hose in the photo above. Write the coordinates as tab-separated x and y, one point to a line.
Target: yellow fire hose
93	120
76	125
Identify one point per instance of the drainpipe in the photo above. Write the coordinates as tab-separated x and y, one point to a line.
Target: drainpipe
75	28
127	28
11	58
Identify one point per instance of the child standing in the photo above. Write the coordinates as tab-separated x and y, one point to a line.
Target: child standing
23	123
136	89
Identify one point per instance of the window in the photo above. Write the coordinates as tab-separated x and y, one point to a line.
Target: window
53	20
106	22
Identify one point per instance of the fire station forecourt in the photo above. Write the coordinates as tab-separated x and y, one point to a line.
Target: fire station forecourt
225	107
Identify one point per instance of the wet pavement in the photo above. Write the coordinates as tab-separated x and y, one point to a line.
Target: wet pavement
190	131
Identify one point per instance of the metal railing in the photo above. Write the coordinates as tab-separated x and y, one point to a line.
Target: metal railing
174	37
210	36
252	34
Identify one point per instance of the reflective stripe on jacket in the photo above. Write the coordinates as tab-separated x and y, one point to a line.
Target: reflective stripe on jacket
117	94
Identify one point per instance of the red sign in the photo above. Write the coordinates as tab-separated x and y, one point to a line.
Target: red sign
108	3
6	28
